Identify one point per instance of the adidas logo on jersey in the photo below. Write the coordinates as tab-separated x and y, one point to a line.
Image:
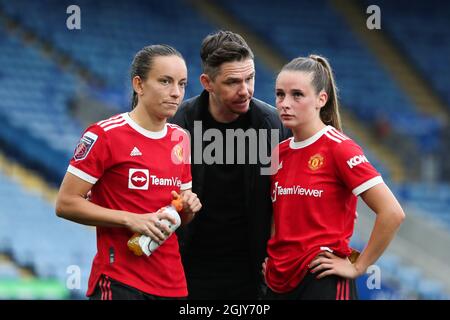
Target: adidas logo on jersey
135	152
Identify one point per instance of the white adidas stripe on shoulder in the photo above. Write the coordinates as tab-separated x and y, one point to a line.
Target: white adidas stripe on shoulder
112	126
111	123
333	137
109	119
338	134
105	124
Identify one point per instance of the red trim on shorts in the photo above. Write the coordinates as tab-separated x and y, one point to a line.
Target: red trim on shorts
109	289
338	290
102	289
343	289
105	288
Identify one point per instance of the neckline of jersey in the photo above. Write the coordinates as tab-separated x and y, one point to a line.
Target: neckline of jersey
310	140
149	134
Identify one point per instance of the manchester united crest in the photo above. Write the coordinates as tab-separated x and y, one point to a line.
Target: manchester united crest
315	162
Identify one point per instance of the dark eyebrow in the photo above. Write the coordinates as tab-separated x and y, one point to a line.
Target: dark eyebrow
171	78
232	79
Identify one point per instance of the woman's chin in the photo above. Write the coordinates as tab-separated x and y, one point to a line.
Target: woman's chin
288	123
169	113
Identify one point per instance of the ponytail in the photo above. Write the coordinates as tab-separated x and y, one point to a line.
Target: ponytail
330	112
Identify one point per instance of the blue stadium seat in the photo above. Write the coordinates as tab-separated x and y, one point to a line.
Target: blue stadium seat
8	271
422	31
365	87
36	238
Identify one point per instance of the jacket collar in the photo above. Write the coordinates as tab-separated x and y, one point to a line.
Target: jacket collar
257	115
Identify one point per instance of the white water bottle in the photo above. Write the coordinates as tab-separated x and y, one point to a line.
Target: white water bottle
147	244
142	244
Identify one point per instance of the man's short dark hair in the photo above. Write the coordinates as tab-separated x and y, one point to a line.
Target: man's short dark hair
221	47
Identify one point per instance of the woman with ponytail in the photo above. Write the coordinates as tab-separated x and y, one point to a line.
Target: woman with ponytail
321	173
132	164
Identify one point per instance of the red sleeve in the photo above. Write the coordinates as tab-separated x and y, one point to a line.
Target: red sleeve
354	168
91	155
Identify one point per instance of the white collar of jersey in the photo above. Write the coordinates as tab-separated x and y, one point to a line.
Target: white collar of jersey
145	132
309	141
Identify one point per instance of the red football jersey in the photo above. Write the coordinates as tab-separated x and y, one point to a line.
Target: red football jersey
135	170
314	196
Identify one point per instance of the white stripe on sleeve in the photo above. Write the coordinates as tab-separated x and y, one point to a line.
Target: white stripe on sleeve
367	185
81	174
186	186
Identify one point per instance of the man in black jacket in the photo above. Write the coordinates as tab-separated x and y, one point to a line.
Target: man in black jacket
232	135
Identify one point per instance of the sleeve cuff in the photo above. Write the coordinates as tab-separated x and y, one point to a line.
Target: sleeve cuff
367	185
185	186
81	174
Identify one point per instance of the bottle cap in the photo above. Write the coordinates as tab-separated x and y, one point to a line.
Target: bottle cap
177	203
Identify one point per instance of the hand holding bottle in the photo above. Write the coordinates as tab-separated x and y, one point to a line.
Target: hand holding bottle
159	227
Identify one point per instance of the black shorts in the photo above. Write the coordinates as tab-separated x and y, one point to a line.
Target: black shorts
328	288
110	289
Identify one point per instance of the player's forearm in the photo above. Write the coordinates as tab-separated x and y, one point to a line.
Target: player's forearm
386	226
82	211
